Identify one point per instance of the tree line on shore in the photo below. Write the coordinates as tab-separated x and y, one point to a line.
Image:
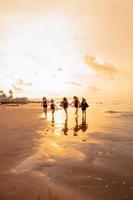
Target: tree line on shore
9	98
3	94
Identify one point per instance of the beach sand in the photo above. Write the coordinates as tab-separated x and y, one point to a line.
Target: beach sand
44	159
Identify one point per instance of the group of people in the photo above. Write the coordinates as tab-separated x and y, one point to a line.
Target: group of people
65	104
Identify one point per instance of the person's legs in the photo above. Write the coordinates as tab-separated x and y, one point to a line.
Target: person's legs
66	112
84	114
76	112
53	110
45	112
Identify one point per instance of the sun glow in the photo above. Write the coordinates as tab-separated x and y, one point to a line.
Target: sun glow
36	49
44	52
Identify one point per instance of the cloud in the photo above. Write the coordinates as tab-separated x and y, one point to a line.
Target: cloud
26	6
19	85
36	73
105	68
73	83
16	88
60	69
93	88
20	82
53	94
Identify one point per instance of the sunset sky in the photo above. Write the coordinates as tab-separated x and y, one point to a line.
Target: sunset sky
67	47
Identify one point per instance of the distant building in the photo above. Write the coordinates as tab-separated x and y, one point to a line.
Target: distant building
5	99
21	100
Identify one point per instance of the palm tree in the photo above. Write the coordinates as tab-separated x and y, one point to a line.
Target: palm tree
1	92
11	94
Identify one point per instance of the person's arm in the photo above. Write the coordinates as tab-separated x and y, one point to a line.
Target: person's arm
61	104
71	103
56	106
48	103
87	105
80	106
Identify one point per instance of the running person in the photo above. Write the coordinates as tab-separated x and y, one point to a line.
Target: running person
83	106
45	105
65	104
52	107
76	104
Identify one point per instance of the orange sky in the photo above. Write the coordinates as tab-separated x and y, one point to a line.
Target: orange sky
57	48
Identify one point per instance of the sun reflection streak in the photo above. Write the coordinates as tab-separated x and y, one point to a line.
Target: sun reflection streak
58	133
55	145
42	116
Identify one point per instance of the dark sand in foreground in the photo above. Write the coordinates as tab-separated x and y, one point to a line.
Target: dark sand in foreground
42	159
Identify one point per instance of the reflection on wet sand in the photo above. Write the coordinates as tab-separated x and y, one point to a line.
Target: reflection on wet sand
65	128
84	125
60	124
85	162
88	164
76	128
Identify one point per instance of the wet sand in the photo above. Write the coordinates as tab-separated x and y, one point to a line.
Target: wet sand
44	159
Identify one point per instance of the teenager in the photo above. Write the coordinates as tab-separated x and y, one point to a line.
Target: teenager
53	107
65	104
45	105
83	107
76	104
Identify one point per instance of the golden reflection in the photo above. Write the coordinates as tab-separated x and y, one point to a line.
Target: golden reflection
84	125
53	121
59	119
58	133
58	123
55	145
64	124
55	148
65	128
76	128
42	116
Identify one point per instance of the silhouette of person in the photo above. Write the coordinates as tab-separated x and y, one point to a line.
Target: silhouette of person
65	104
83	106
76	104
45	105
53	107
